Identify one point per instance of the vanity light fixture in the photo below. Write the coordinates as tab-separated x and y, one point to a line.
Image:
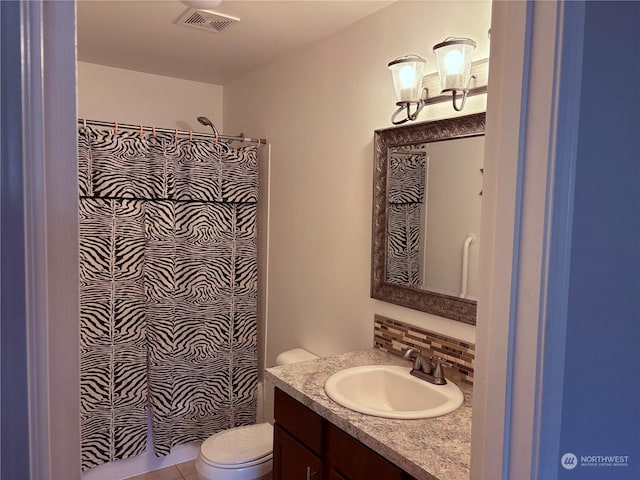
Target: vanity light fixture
456	75
407	82
454	66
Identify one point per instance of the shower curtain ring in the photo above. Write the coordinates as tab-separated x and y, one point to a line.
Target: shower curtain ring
153	131
190	135
84	123
141	132
217	137
115	128
176	134
259	142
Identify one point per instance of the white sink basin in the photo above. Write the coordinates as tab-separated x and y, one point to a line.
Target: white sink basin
390	391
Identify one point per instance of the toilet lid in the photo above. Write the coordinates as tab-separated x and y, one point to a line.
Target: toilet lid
239	445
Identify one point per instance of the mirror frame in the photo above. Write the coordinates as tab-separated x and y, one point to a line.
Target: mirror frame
448	306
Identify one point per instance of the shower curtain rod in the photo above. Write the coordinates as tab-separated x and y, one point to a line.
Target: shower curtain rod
188	133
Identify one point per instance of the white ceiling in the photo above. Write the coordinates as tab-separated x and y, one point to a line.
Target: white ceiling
144	36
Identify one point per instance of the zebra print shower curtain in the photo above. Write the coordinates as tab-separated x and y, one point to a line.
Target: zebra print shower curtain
407	181
168	290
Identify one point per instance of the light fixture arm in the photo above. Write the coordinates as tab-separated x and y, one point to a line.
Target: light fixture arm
456	107
465	93
405	106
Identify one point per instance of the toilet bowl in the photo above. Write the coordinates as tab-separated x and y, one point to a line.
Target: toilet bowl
238	453
243	453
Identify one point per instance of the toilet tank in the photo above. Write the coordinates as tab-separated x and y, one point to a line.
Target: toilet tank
294	356
265	404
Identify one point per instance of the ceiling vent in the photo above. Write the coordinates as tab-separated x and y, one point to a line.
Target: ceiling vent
206	20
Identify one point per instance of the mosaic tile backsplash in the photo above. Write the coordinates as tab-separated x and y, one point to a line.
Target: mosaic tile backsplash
395	337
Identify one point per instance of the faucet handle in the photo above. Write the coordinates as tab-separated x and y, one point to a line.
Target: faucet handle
438	375
430	364
444	363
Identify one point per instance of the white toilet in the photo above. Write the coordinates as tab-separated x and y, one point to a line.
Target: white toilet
243	453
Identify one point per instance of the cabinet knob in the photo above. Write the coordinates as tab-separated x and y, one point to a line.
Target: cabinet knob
310	473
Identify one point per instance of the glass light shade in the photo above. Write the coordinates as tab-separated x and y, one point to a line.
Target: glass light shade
407	77
454	63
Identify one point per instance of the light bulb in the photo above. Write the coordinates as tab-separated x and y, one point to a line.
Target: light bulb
407	76
406	72
453	61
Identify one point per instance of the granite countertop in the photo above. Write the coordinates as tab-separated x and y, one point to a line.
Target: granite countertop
432	448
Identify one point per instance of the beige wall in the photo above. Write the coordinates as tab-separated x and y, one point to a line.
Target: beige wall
114	94
319	108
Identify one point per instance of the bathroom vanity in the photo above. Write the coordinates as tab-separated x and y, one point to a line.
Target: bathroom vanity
308	446
315	438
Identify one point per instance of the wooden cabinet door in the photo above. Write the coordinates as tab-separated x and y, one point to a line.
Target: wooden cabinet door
299	421
292	460
348	459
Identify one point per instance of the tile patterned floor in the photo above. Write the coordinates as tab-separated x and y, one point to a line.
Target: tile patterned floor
181	471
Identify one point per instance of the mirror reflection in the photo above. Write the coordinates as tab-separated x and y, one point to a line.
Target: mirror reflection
426	216
433	215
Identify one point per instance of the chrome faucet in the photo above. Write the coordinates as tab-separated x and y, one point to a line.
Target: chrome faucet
423	367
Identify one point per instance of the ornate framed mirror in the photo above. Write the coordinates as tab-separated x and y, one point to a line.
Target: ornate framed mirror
427	195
